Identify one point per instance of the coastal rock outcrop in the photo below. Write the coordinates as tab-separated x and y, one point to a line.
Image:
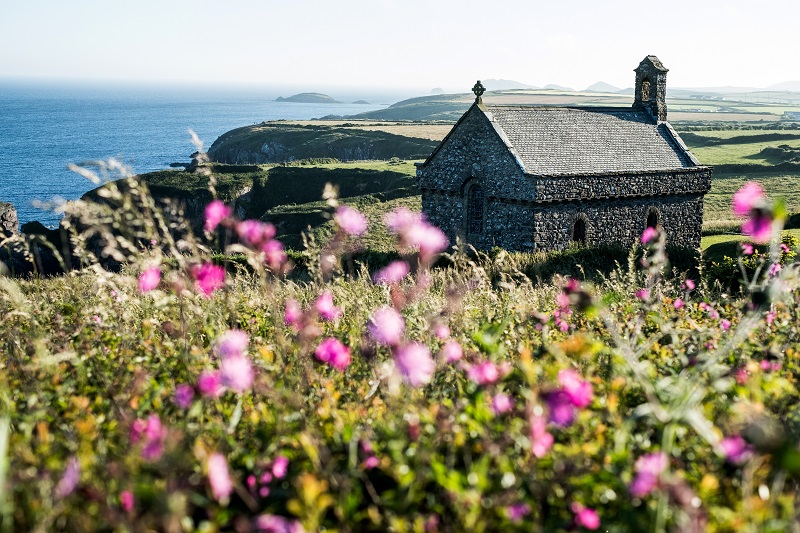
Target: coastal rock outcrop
275	142
9	223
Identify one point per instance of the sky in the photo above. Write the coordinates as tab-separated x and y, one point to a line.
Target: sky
407	45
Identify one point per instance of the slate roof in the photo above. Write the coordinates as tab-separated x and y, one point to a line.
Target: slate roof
588	140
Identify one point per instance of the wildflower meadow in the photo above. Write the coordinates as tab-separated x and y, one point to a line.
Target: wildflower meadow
179	382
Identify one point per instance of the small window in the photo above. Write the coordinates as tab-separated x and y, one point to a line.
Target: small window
475	209
579	231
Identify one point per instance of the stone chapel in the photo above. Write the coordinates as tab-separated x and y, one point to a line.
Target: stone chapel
544	177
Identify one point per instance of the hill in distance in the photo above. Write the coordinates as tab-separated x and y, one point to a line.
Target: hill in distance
308	98
505	85
602	87
555	87
793	86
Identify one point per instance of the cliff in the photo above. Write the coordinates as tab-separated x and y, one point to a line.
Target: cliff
274	142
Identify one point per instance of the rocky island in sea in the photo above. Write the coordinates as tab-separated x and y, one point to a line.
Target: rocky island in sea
308	98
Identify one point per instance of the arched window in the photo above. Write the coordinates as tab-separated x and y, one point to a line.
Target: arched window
645	90
475	209
579	231
653	219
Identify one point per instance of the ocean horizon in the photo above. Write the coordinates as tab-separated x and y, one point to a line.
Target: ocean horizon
45	126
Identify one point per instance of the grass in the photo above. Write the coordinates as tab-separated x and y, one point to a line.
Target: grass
718	217
92	358
740	147
715	247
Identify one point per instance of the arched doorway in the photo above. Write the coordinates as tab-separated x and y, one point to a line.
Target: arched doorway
653	220
579	231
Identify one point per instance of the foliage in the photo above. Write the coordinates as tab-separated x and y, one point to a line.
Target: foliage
546	402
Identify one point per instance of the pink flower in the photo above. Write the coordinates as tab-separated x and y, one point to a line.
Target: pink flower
415	364
484	373
785	249
678	304
742	376
219	477
236	373
270	523
333	352
758	226
216	212
689	284
429	239
153	434
391	273
502	403
642	294
516	512
766	366
208	278
541	440
292	313
442	331
748	198
183	396
747	248
149	279
280	466
350	220
585	517
416	233
725	323
386	326
231	343
325	307
209	383
255	233
274	255
649	234
580	392
774	268
560	408
771	317
70	479
736	449
126	500
401	218
452	351
648	470
371	462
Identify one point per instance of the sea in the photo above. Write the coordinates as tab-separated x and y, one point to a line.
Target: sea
44	126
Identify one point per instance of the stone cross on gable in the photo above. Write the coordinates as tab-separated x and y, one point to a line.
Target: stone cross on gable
478	89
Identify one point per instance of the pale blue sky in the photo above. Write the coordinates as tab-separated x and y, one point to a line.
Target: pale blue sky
402	43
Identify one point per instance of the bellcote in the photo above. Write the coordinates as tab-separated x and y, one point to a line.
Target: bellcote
651	87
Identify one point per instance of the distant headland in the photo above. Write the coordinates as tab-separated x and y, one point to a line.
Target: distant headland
308	98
